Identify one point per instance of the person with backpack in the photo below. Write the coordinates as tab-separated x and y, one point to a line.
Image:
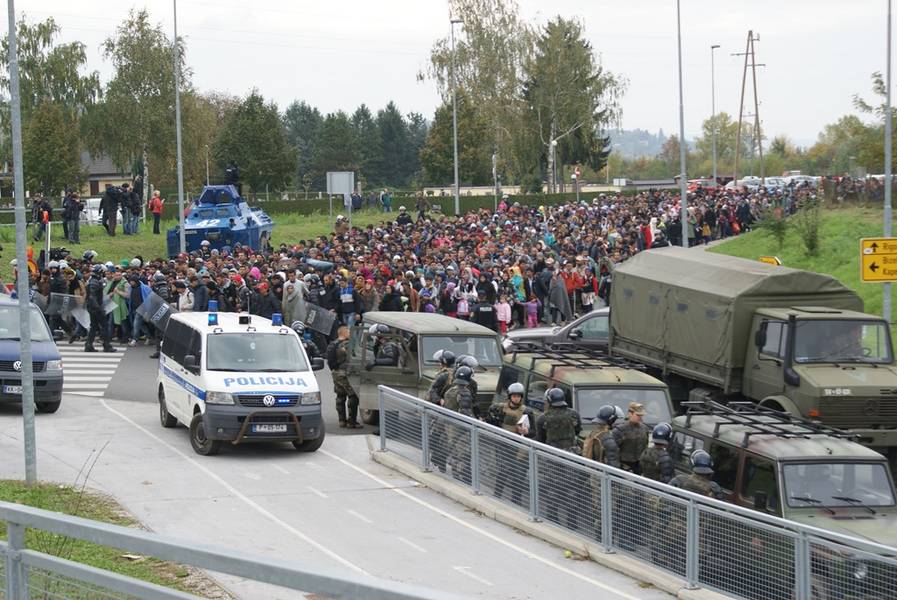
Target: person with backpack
346	398
600	445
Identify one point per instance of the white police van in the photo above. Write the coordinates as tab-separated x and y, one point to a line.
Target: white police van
238	378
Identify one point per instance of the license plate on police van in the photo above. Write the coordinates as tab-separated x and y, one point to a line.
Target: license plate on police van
270	428
12	389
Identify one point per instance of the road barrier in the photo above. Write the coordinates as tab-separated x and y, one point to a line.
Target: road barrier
28	573
703	541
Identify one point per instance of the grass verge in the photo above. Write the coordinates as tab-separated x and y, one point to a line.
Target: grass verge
839	254
92	505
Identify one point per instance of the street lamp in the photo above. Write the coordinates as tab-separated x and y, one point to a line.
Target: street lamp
554	170
208	182
886	289
713	104
455	121
683	209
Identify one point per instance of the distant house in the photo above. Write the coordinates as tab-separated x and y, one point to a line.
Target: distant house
100	170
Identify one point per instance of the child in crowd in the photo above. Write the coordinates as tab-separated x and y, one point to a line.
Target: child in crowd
503	314
532	311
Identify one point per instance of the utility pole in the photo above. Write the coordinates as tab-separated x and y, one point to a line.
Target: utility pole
21	258
713	103
177	119
886	288
749	53
683	200
208	181
455	121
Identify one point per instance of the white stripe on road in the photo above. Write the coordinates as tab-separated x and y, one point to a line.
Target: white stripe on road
317	492
408	542
82	386
386	485
67	372
281	469
252	476
466	571
101	379
240	495
360	516
84	393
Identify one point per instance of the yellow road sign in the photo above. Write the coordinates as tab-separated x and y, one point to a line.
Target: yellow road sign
878	259
771	260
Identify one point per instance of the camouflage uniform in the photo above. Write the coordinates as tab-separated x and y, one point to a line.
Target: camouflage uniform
438	437
601	447
698	484
657	464
458	398
632	438
440	384
558	427
511	462
341	386
712	552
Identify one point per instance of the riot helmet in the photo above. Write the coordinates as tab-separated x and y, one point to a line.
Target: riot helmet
701	462
556	397
662	434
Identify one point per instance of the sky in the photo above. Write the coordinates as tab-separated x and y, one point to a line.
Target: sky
336	55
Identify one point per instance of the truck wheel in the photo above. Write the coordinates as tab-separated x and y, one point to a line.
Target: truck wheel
370	416
201	444
310	445
164	416
48	408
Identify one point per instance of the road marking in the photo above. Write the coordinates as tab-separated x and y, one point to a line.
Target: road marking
66	386
479	530
67	372
281	469
408	542
86	393
360	516
69	378
466	571
252	476
240	495
317	492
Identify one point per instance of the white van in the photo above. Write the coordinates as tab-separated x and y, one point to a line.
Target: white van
238	378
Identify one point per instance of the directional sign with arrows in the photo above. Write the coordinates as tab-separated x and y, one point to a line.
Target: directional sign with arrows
878	259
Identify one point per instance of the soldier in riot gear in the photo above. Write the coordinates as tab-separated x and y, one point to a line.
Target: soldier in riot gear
458	398
443	379
656	462
600	445
161	289
310	347
346	398
632	438
386	351
514	417
558	427
94	304
700	479
469	361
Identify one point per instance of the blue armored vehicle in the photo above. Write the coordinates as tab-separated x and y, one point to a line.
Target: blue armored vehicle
221	216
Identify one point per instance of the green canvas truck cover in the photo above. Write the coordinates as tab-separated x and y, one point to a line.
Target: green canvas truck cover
698	305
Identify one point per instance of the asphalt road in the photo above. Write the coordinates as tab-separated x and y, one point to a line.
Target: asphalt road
334	508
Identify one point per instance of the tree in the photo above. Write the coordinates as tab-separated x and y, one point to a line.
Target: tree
335	147
50	143
137	116
493	46
417	137
253	136
395	150
571	98
369	146
302	122
474	159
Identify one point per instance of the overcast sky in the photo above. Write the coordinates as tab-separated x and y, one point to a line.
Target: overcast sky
338	54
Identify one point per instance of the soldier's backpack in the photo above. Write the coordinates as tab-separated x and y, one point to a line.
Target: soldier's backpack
331	354
593	448
559	429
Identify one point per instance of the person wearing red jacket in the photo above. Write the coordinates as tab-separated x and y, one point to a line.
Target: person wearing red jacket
572	282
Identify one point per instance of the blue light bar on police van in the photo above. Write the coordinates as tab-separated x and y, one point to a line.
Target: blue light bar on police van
277	319
213	312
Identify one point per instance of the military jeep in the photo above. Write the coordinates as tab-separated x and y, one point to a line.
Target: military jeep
419	336
803	471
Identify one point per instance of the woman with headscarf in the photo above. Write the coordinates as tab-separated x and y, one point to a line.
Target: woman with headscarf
392	300
558	300
290	305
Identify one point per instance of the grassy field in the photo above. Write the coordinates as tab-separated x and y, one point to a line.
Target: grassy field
91	505
839	256
287	228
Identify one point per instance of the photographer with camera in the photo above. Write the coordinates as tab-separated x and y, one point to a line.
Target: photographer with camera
109	208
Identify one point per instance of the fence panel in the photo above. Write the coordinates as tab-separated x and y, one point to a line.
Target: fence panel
708	543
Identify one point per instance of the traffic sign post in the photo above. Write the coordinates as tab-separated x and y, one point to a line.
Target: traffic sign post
878	259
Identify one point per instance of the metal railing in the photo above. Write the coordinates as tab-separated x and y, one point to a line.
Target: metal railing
26	573
706	542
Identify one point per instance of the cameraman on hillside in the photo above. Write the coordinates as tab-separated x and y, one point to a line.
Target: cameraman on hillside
109	208
71	216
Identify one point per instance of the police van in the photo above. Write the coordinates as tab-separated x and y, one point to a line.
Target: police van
238	378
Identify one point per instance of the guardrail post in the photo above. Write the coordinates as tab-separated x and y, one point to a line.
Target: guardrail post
607	513
475	459
801	567
382	420
692	549
16	577
533	485
424	442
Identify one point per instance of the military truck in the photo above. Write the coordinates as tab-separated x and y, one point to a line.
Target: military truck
419	336
720	328
804	471
589	379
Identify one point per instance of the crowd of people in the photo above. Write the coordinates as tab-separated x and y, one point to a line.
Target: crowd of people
518	266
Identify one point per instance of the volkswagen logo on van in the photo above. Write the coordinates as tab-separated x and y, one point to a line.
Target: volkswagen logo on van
269	400
17	366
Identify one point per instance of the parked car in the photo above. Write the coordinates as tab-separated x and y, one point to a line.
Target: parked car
588	331
774	184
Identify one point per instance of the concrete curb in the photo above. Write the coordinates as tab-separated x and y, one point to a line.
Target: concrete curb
498	511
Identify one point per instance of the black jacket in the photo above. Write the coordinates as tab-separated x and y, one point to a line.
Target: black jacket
94	298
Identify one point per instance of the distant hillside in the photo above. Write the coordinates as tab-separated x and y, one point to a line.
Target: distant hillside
634	143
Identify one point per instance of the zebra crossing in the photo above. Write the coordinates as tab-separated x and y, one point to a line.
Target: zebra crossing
88	373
